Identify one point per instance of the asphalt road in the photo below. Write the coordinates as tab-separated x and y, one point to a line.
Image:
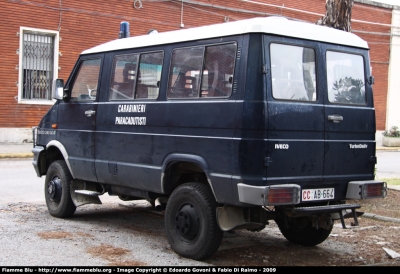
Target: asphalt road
131	233
388	165
115	233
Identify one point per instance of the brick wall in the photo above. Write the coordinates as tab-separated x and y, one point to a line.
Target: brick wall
85	24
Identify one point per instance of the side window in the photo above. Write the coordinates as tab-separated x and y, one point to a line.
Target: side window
346	81
184	78
149	75
123	80
85	85
293	73
205	72
218	71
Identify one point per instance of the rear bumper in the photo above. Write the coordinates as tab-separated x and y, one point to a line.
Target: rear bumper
290	194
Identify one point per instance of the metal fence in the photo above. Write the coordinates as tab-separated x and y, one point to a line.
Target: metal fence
37	65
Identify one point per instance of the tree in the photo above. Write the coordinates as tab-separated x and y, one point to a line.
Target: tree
338	14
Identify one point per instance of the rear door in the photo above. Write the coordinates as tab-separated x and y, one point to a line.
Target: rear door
349	116
295	111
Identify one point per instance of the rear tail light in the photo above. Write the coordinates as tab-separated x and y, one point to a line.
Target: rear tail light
377	190
282	195
366	190
288	194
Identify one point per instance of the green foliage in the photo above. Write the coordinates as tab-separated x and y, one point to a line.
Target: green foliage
349	91
392	132
392	181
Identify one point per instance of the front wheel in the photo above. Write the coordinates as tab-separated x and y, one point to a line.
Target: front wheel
190	221
57	190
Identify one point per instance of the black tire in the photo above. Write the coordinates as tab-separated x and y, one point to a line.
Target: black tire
300	231
57	190
190	221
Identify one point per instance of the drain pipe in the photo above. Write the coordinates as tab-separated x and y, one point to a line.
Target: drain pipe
182	24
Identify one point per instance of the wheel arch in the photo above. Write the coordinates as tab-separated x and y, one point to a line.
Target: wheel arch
56	151
178	166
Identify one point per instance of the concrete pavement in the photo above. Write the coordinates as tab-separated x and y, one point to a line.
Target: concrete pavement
23	150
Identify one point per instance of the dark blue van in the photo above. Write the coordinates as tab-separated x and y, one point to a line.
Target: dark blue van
226	126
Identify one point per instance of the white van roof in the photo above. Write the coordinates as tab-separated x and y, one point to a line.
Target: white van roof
272	25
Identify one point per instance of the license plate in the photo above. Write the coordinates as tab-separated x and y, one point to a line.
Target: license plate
317	194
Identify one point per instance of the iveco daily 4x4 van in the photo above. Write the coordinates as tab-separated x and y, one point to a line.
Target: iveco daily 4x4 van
229	126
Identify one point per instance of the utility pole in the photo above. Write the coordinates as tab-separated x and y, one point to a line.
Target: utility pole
338	14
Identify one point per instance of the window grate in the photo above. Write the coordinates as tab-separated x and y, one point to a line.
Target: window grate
37	66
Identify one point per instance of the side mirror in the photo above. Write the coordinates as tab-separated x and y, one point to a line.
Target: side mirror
58	89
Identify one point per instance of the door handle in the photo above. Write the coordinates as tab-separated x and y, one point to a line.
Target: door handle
90	113
335	118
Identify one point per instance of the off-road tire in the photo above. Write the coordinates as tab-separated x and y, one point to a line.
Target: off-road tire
198	236
300	231
61	206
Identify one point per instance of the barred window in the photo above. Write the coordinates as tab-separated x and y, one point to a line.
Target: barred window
37	65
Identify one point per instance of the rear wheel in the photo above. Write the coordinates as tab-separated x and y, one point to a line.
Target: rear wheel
300	231
57	190
190	221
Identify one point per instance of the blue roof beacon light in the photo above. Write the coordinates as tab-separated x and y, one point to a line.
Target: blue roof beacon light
124	30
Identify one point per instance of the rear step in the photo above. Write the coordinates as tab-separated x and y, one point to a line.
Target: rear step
328	209
83	193
88	192
83	197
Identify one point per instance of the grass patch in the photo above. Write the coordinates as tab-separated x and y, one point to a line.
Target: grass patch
392	181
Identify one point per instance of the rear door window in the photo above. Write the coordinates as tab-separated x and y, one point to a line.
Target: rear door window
345	76
293	73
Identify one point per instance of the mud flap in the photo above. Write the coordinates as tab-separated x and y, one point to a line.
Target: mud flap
81	196
230	218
